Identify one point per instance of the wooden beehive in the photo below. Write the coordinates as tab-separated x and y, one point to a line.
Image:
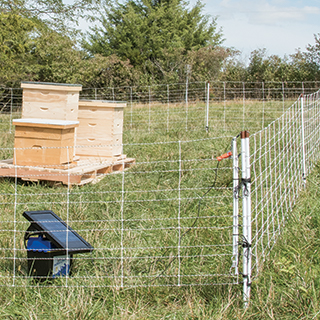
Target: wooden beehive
100	129
56	101
42	142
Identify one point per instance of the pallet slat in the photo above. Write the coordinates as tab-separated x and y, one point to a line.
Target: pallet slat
84	172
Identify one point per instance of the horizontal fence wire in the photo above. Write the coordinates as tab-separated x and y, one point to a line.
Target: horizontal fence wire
278	171
143	222
166	218
185	105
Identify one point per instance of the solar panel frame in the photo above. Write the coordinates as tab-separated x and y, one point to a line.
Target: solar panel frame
58	236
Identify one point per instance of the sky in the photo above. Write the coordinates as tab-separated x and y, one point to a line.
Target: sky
280	26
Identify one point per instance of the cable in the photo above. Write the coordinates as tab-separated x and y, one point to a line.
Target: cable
193	224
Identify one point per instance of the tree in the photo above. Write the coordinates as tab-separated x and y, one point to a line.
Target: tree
15	45
308	62
55	13
154	35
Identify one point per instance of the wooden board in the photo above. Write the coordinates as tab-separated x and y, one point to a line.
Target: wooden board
83	172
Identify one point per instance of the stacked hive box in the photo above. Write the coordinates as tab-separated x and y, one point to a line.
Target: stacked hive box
100	129
48	133
43	142
50	101
45	135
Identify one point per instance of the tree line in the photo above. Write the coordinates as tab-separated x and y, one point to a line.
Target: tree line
133	42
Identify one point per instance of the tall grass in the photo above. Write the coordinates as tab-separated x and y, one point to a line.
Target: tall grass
288	287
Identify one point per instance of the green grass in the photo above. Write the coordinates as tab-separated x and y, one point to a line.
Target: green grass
288	285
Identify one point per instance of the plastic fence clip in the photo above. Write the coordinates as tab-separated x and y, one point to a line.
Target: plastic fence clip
225	156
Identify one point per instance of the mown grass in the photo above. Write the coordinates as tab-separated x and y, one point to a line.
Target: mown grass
288	285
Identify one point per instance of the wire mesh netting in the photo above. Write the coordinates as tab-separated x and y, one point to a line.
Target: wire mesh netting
168	218
145	223
282	155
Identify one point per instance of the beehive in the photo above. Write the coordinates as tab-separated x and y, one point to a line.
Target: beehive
100	128
56	101
42	142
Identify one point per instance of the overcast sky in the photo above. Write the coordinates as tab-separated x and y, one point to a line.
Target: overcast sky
281	26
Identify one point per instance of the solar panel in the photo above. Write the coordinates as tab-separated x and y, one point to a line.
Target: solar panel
57	231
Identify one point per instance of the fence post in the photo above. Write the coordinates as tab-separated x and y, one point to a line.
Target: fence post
244	102
187	98
235	232
131	107
11	107
304	174
149	89
207	109
224	105
283	97
246	208
263	105
168	107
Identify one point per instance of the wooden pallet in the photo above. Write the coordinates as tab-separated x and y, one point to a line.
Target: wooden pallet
85	171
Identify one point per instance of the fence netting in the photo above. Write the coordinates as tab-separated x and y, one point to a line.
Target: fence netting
169	218
145	223
281	157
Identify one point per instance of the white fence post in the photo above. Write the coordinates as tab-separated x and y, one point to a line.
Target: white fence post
304	173
131	107
246	208
149	89
168	107
235	234
207	109
11	108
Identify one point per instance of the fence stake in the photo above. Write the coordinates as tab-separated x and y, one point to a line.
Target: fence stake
168	107
244	102
304	174
282	97
235	206
11	107
179	216
187	88
207	110
262	106
246	208
131	107
149	107
224	104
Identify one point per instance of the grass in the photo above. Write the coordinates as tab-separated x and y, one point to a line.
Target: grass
288	287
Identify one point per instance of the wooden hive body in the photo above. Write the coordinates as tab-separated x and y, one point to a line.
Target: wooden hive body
100	129
41	142
43	100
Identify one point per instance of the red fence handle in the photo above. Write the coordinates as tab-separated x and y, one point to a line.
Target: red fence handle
225	156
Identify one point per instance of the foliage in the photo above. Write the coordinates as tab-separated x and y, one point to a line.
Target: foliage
301	66
155	36
16	41
55	13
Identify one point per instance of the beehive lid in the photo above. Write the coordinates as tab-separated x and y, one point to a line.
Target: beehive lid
46	123
102	103
51	86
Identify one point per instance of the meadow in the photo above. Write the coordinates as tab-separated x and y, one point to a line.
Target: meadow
158	252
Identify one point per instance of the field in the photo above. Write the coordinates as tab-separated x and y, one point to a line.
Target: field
157	255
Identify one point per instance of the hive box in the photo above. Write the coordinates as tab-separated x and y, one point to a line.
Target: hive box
56	101
100	129
41	142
